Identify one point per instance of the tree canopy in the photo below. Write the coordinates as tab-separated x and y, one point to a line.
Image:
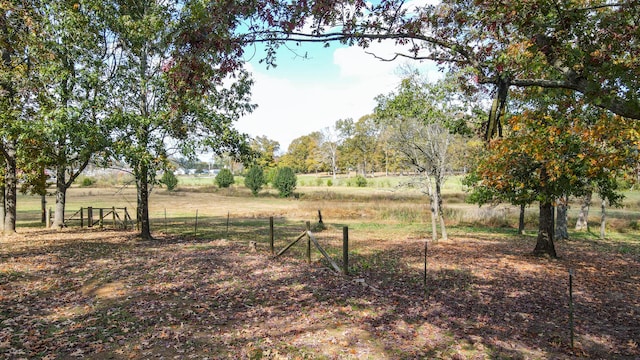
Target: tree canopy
556	146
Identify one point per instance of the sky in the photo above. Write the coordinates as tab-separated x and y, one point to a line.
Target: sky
302	95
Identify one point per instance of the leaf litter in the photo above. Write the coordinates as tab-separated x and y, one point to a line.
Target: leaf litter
106	295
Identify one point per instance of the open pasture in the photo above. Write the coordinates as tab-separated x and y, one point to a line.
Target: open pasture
203	293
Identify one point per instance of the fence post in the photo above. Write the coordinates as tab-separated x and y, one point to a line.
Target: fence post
101	222
426	249
113	214
89	216
126	213
271	235
165	220
81	217
44	210
571	306
227	231
308	242
345	250
196	229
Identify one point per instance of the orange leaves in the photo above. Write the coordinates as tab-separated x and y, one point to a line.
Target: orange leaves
568	144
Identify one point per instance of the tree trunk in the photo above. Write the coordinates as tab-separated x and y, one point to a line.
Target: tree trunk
603	218
11	184
521	219
2	206
583	217
544	245
562	218
142	180
434	213
43	210
439	210
443	228
61	196
334	165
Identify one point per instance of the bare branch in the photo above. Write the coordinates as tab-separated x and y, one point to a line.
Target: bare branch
413	57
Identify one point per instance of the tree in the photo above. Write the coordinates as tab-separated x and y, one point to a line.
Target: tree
424	118
266	150
360	141
74	100
224	179
19	29
285	181
587	47
300	154
328	148
425	147
582	222
156	51
554	151
254	179
170	180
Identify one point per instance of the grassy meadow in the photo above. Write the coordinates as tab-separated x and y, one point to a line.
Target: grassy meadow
385	206
199	290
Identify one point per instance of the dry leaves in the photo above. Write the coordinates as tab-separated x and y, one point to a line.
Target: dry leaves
105	295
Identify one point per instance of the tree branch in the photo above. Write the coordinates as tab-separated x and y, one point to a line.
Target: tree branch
414	57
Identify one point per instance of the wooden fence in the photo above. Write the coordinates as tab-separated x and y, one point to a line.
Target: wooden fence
119	218
312	239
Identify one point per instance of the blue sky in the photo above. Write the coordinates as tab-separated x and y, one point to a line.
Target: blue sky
300	96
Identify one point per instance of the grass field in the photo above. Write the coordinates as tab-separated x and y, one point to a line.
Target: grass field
202	292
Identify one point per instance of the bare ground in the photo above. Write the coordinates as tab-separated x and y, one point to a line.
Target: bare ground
106	295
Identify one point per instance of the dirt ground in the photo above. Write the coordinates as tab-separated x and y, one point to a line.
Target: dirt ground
106	295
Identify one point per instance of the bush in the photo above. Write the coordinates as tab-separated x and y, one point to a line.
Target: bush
270	175
224	179
254	179
329	182
361	181
169	180
88	181
285	181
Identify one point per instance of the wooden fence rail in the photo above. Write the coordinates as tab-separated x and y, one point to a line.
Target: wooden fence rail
120	217
311	238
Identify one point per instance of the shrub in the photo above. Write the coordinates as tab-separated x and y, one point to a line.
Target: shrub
319	182
224	179
329	182
87	181
270	175
285	181
254	179
361	181
169	180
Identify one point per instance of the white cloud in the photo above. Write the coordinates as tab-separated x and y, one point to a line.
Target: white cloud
290	107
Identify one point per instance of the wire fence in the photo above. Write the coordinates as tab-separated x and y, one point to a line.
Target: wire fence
258	231
327	238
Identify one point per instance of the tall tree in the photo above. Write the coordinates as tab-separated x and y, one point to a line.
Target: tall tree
328	148
19	31
72	104
300	154
361	141
266	150
424	119
553	151
149	94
